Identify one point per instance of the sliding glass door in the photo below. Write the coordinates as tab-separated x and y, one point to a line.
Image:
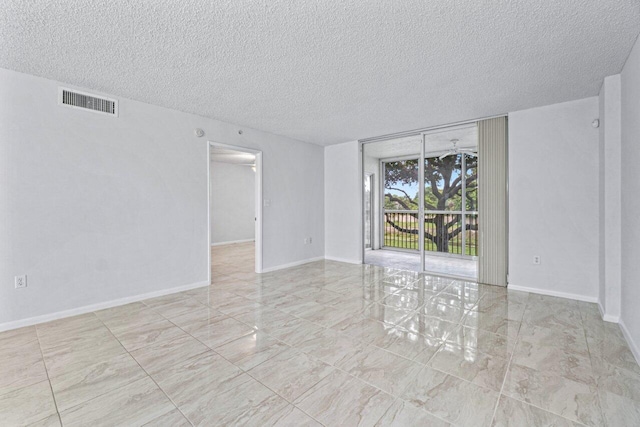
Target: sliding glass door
450	202
429	201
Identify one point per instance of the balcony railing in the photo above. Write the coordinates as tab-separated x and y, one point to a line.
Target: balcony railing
452	232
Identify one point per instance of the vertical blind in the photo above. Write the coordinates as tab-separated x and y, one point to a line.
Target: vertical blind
492	201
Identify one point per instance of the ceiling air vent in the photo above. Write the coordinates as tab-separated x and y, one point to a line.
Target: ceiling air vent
86	101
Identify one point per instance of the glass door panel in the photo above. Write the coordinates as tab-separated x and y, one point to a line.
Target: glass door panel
443	204
450	202
401	204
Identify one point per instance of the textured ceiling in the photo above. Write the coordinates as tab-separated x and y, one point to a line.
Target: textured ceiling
325	71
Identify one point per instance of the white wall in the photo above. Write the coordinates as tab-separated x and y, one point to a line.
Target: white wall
630	314
232	202
96	208
553	199
601	193
610	198
602	294
343	202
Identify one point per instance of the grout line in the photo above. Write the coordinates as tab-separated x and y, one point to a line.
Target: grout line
44	363
109	391
531	404
422	366
544	410
291	402
299	350
4	393
308	415
595	377
244	372
506	372
123	385
399	394
144	370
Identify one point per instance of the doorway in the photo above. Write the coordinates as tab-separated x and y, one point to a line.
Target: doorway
234	210
428	218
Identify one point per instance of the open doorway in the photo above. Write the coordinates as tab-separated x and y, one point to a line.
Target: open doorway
425	216
235	214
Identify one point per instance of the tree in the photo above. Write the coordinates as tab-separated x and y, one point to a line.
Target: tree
443	191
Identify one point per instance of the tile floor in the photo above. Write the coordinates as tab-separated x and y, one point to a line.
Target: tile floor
410	261
323	344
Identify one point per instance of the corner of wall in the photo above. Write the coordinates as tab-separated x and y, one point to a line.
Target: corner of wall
569	254
633	346
343	201
630	186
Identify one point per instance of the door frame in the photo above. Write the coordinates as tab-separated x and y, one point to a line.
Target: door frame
423	133
257	195
369	176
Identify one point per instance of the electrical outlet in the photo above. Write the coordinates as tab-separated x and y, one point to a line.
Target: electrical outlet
266	203
306	241
536	259
20	281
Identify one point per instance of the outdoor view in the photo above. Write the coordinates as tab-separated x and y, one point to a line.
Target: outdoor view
451	197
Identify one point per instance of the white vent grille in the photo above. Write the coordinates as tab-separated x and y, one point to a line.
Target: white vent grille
86	101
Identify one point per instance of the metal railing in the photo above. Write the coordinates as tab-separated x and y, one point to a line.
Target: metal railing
401	229
450	232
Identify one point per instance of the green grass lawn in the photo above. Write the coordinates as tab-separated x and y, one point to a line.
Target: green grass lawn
396	239
410	241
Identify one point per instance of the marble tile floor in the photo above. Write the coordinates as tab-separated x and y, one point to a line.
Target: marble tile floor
403	260
328	344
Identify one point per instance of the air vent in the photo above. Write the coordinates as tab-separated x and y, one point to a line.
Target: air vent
86	101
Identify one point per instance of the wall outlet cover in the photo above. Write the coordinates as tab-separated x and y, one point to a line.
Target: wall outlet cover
20	281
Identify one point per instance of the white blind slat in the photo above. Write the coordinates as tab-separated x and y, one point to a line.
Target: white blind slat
492	201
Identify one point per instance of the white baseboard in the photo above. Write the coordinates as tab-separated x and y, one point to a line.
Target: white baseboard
632	344
553	293
231	242
99	306
600	309
292	264
607	317
347	260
